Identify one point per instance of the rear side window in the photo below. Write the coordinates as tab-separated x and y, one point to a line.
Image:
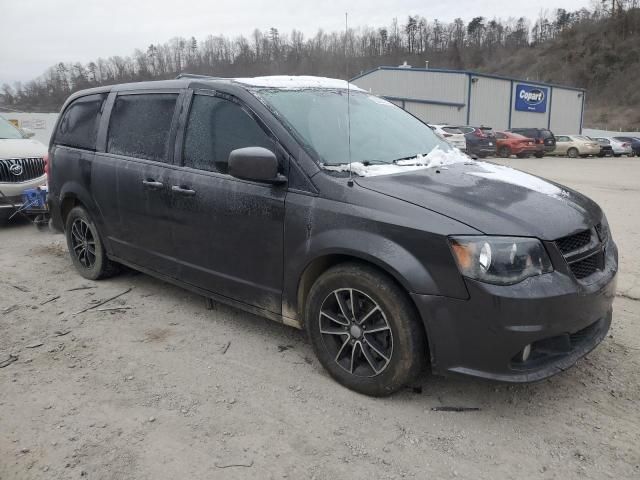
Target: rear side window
139	125
217	126
451	130
546	134
79	124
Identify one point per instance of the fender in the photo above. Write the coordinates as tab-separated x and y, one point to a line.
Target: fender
74	189
412	273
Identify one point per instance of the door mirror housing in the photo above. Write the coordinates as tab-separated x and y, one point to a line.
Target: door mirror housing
255	163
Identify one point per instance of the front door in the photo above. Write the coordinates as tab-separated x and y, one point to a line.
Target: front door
228	233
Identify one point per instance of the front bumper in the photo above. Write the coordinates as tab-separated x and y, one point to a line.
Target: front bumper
560	317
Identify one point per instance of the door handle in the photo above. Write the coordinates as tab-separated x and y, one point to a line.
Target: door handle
183	190
152	184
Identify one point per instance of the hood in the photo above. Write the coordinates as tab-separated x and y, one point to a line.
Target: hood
21	148
493	199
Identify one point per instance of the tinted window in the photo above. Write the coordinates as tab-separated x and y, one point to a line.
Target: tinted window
217	126
546	134
80	121
451	130
139	125
500	135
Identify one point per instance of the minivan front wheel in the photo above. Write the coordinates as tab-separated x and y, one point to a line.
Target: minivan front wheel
364	330
85	246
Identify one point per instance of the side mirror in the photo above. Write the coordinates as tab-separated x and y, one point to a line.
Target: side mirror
27	133
255	163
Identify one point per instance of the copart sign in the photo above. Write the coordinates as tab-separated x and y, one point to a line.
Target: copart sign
530	98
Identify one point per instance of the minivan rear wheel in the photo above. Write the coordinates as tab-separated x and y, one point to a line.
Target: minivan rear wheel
85	246
364	330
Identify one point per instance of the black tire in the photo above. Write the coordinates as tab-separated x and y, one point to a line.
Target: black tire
394	330
572	153
617	155
539	155
85	246
522	155
504	152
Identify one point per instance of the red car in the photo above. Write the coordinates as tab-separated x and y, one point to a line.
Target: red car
508	144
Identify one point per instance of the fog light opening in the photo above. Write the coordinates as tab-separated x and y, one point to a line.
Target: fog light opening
526	351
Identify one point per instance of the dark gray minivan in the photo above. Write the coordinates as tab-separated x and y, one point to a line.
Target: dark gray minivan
330	209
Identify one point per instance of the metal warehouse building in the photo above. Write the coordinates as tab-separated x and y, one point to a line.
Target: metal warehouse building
467	98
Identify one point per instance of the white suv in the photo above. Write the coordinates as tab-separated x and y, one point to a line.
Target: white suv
452	135
21	167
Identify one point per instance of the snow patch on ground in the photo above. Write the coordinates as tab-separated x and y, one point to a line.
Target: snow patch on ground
436	158
296	82
501	173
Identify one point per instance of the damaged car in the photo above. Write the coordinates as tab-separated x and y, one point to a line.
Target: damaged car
316	204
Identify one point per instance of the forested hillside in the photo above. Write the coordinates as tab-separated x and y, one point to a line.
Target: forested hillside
596	49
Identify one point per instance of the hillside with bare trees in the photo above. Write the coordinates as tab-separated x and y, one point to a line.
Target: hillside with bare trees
596	49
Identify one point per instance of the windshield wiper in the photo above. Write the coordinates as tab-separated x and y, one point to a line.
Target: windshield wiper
410	157
366	163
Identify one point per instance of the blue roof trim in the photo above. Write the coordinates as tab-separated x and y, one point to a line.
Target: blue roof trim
467	72
419	100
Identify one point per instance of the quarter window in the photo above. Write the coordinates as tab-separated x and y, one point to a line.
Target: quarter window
140	125
79	124
217	126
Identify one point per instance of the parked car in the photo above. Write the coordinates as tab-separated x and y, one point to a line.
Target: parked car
481	141
508	144
634	141
606	149
618	147
541	136
452	135
21	167
242	191
574	146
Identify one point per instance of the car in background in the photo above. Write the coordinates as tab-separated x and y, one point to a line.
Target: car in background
22	163
541	136
618	147
633	141
574	146
452	135
606	150
508	144
481	141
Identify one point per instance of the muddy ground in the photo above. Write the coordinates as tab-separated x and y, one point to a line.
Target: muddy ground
166	389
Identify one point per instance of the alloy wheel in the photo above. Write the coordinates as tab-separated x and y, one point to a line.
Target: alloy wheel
83	243
355	332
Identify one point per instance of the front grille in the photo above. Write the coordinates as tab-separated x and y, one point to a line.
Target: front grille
574	242
17	170
587	266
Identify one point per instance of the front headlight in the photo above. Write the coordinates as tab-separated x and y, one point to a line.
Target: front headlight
500	260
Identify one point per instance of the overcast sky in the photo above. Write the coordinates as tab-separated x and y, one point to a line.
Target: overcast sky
39	33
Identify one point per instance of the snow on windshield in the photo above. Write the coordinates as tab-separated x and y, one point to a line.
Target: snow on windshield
297	82
436	158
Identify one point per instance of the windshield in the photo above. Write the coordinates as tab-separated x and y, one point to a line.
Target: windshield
380	131
8	131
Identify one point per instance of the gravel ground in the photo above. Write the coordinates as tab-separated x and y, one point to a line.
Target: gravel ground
164	388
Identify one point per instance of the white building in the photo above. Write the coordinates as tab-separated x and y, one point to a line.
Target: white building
468	98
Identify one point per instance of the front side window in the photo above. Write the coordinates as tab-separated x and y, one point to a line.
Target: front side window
380	131
216	126
140	125
79	124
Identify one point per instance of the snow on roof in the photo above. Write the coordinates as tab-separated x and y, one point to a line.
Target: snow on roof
296	82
